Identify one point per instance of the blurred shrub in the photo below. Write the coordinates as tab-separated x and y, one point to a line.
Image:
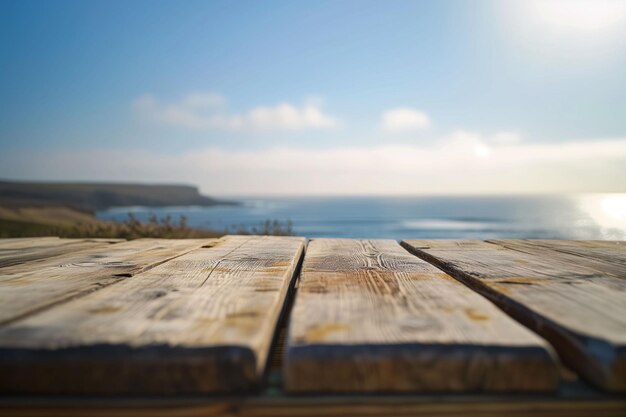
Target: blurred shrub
133	228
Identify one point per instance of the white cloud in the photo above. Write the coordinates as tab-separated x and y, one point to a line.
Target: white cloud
480	145
505	138
462	163
404	119
208	111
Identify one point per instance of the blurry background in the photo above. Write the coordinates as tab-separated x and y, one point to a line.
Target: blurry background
346	118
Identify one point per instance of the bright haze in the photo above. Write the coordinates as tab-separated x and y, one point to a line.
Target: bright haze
310	98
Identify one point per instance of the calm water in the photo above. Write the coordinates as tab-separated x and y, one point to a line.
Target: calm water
573	217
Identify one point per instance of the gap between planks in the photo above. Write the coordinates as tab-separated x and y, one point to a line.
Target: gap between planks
369	316
580	308
202	322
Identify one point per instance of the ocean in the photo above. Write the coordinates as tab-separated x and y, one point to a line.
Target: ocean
592	216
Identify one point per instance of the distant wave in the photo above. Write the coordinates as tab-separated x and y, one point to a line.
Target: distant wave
452	224
263	204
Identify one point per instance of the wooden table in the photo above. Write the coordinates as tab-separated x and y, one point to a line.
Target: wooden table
270	326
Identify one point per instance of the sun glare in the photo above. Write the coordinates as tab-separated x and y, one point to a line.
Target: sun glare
482	151
607	210
579	16
566	28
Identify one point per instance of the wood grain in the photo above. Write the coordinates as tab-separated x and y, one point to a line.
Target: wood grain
201	322
38	242
369	316
15	253
580	310
31	287
17	242
607	257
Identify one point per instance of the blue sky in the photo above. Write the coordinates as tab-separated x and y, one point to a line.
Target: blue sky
226	94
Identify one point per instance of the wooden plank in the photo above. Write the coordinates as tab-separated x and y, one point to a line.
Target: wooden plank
608	257
441	405
31	287
202	322
30	242
23	242
27	251
580	311
369	316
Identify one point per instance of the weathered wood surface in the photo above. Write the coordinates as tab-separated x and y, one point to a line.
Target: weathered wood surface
26	242
369	316
16	253
31	287
608	257
201	322
39	242
580	310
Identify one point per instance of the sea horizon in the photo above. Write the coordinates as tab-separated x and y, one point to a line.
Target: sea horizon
545	216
